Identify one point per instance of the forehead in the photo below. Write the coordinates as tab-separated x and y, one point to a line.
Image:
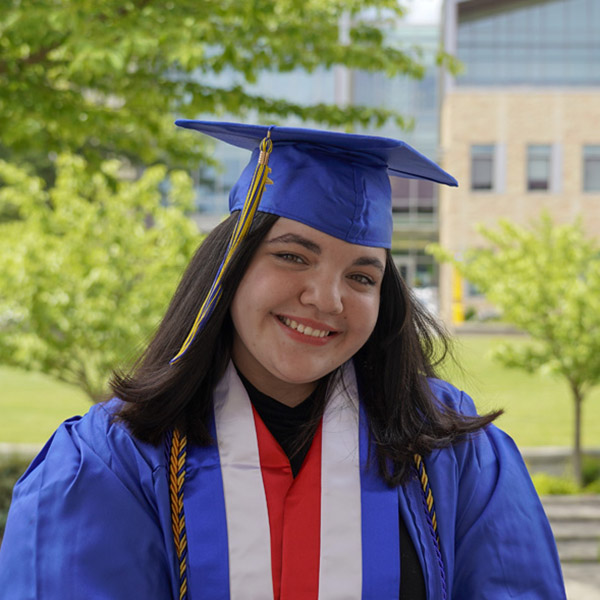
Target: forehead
287	231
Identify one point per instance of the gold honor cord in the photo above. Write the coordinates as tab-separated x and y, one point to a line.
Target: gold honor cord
177	453
427	493
431	517
253	197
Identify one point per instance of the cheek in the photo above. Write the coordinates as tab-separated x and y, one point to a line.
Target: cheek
240	306
366	313
252	298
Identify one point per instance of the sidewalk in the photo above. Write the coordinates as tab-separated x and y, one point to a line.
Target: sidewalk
575	522
582	581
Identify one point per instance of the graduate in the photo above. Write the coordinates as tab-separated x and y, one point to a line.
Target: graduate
284	435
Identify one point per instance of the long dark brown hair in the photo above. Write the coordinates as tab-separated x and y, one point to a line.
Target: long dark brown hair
392	367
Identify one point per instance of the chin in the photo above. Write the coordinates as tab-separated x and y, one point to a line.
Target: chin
297	375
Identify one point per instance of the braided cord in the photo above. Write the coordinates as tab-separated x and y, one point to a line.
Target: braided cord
177	452
429	508
427	494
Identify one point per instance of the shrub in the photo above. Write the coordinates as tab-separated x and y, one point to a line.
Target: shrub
591	470
549	484
592	488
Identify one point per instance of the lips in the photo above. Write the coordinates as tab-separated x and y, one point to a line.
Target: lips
305	329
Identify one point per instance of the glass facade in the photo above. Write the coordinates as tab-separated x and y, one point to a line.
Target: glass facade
415	99
414	202
536	42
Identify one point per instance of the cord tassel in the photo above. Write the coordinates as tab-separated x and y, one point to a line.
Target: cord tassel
259	180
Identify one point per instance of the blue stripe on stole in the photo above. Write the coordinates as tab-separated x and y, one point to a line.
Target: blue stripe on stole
206	524
380	527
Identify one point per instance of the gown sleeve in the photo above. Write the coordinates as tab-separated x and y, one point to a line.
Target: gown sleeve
87	519
495	535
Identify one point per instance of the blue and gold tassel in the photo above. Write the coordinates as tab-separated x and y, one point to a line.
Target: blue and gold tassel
253	197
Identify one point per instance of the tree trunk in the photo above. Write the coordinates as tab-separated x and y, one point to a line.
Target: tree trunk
577	459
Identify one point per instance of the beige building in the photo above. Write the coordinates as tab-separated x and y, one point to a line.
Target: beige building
520	128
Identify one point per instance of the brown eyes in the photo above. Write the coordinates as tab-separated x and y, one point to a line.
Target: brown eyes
364	279
290	257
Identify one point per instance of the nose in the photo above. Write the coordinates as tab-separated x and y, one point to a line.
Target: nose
324	293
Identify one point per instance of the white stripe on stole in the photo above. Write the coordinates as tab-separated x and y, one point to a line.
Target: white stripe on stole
248	531
340	570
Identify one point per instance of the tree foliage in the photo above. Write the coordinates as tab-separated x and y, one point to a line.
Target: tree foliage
88	266
546	281
105	77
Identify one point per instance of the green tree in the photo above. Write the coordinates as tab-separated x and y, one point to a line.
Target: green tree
104	78
88	266
546	281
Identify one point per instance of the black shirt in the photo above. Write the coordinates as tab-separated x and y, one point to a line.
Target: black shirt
286	424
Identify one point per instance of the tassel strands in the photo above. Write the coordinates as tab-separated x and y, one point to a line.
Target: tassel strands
257	186
177	443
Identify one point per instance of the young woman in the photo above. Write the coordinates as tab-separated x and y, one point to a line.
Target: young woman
297	445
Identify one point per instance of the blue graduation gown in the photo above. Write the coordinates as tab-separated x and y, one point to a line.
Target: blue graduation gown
90	518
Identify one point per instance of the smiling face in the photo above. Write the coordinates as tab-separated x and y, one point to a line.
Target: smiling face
306	304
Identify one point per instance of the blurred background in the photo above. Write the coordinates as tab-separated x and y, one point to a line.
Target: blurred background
103	201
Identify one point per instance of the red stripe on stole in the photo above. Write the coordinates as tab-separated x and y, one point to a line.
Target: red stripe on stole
294	507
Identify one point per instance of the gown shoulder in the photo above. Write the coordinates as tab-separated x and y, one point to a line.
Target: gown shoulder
89	514
492	526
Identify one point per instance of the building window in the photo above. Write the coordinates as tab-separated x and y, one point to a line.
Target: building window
591	168
539	167
482	168
550	42
414	202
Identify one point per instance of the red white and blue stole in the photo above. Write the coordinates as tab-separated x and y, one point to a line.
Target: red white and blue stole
255	533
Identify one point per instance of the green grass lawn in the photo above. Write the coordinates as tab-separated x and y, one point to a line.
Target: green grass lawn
538	409
33	405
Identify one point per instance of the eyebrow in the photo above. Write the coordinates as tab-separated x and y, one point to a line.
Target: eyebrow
293	238
369	261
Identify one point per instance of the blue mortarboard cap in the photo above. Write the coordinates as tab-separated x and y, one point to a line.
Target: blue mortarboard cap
335	182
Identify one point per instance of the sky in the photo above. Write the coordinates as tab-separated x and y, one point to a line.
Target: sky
423	11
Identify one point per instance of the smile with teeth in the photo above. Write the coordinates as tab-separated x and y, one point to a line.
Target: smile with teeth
304	329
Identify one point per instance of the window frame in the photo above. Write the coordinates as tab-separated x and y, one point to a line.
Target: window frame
593	158
480	153
547	157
